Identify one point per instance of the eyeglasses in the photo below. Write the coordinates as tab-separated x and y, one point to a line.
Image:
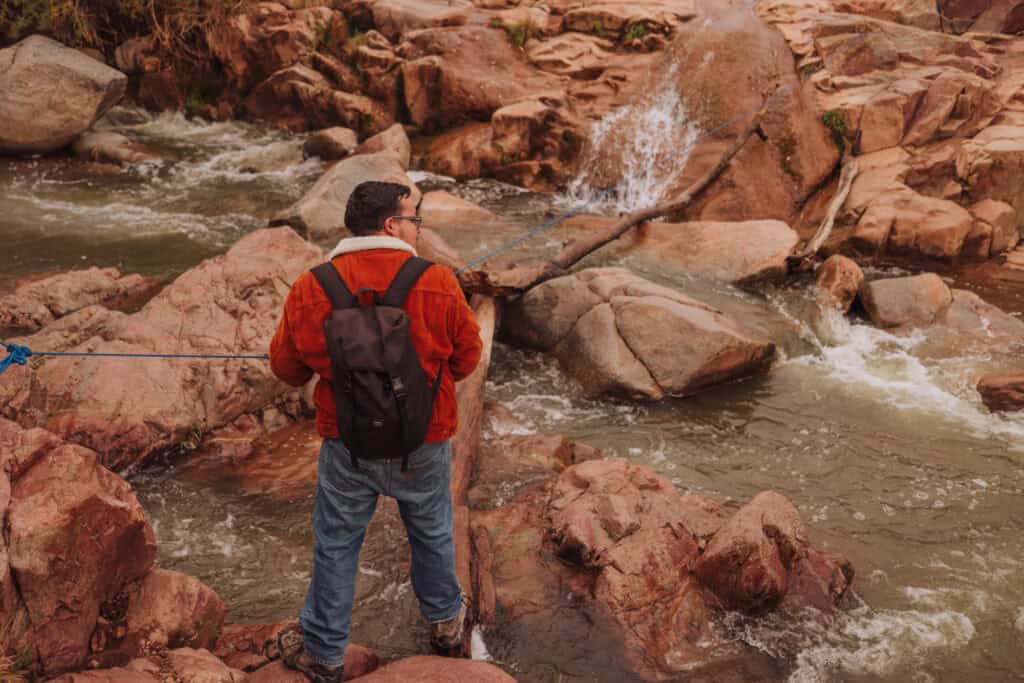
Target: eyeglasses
418	220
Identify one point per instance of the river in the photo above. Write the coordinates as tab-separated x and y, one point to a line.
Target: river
880	441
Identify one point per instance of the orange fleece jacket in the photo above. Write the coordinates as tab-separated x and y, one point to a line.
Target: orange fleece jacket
442	326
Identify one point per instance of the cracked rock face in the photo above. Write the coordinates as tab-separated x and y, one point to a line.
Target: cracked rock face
620	334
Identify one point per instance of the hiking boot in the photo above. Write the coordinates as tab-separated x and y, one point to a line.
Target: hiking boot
292	648
446	635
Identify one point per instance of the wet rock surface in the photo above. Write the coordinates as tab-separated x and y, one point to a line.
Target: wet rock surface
620	334
650	568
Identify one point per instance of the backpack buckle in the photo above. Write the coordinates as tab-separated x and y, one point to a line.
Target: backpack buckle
398	387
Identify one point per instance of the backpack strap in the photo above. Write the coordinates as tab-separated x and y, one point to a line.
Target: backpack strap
404	281
335	288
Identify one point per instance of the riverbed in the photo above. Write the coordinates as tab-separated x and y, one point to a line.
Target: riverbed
880	441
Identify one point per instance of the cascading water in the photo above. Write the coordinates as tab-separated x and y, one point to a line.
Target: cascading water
649	143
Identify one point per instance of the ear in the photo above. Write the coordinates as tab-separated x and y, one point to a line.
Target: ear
389	227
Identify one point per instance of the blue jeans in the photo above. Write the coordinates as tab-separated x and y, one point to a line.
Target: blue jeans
345	501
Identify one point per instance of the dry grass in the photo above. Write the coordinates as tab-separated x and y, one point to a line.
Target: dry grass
179	25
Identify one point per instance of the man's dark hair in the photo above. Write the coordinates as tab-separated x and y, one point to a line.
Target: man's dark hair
371	203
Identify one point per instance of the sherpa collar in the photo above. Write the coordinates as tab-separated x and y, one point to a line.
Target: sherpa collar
350	244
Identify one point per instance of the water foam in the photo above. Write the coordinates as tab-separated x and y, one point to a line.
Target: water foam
867	360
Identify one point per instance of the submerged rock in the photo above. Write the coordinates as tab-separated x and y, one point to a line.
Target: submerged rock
130	409
1002	393
649	566
429	669
108	146
51	95
620	334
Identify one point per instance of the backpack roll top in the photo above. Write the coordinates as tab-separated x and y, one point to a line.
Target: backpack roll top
385	400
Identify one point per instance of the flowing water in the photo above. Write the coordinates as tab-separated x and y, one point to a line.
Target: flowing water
880	441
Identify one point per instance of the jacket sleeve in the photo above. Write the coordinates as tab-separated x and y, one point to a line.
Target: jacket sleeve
465	331
285	361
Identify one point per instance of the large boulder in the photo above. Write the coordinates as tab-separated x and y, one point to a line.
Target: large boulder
320	213
330	144
51	95
127	410
623	335
774	172
617	543
39	302
393	140
77	538
918	300
1002	392
252	647
990	166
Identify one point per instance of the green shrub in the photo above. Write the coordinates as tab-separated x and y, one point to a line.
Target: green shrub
835	122
635	31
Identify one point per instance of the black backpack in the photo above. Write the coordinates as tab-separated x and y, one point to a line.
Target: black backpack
384	399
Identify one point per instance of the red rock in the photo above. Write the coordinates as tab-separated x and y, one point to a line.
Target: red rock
78	538
917	300
748	560
839	279
167	609
1002	393
38	303
127	411
427	669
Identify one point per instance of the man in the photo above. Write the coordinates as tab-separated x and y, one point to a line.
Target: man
446	337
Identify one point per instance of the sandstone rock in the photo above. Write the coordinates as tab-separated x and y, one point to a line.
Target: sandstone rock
918	13
463	153
199	666
393	140
915	300
108	146
969	15
77	538
330	144
621	541
741	253
886	116
506	465
166	610
129	411
1002	392
971	316
394	18
616	16
904	224
429	669
38	303
571	54
52	94
956	103
772	175
747	560
839	279
442	87
991	164
620	334
1002	219
114	675
321	211
443	209
266	38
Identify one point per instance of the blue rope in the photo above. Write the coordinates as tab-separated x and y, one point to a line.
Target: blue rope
20	354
